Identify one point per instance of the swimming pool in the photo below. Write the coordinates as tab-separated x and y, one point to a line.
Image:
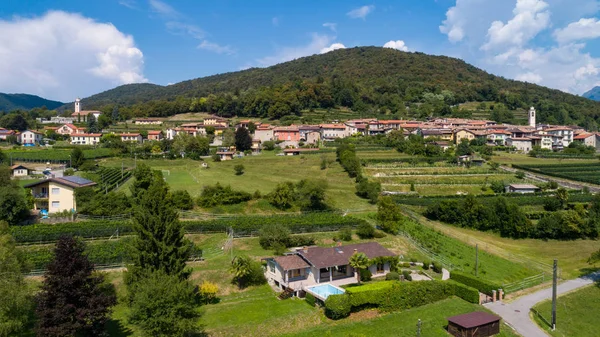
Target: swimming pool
323	291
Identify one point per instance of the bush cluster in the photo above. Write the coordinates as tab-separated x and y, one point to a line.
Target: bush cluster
221	195
480	284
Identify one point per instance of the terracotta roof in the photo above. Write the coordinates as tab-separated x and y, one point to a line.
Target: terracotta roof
290	262
559	129
322	257
333	126
18	166
474	319
129	134
86	135
301	150
524	186
583	136
153	132
86	112
71	181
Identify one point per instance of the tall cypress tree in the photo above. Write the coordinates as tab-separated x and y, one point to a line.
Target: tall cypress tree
160	244
73	300
243	140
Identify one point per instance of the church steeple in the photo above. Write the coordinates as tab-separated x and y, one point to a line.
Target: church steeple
77	105
532	117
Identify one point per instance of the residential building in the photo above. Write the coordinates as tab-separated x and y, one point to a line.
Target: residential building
20	171
460	134
521	188
589	139
86	138
216	121
4	133
313	265
313	137
565	134
131	137
498	136
287	133
523	144
155	135
57	194
30	137
305	129
332	131
148	121
295	152
68	129
264	133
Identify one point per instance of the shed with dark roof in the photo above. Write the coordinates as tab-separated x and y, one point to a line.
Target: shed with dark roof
474	324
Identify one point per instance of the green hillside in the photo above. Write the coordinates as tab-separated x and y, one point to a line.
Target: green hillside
369	79
593	94
9	102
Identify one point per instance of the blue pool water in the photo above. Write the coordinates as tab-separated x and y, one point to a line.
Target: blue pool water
324	290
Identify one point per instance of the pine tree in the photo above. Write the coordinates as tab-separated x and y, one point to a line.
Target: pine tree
73	300
160	244
92	124
77	157
243	140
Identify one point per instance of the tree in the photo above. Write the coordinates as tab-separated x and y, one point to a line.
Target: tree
463	148
497	186
15	299
251	127
239	169
389	215
182	200
563	196
159	244
115	114
14	121
228	138
365	231
359	261
77	157
164	305
271	235
243	140
92	124
310	194
282	196
269	145
73	299
13	208
241	267
143	177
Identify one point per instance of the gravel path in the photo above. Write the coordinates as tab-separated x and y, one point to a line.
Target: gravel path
517	313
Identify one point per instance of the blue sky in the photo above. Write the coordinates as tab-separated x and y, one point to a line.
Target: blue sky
64	49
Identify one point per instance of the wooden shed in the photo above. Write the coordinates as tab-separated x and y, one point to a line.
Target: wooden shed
474	324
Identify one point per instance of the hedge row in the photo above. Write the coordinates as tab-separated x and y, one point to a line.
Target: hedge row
397	296
370	161
242	225
482	285
520	199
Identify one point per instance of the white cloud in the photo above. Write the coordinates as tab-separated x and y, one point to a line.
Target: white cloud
216	48
62	55
529	77
180	28
530	18
585	71
275	21
131	4
361	12
580	30
333	47
468	18
398	44
331	25
283	54
163	9
453	25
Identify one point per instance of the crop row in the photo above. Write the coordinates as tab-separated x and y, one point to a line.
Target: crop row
63	155
573	173
519	199
411	160
433	180
241	225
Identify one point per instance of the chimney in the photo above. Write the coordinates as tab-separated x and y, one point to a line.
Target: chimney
305	249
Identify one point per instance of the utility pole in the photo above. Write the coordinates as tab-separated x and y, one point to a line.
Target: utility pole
554	282
476	259
419	328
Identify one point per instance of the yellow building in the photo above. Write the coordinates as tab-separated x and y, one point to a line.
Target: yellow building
57	194
469	135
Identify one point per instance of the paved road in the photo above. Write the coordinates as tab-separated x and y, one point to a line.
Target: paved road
517	313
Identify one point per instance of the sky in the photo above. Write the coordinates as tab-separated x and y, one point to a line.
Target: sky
71	48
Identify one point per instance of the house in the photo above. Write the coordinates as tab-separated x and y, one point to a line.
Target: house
521	188
333	131
295	152
522	144
20	171
474	324
4	133
313	137
148	121
287	133
313	265
155	135
85	138
68	129
565	134
226	155
264	133
306	129
256	145
30	137
57	194
131	137
589	139
498	136
468	134
215	121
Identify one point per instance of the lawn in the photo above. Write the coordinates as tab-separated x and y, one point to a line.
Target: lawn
262	173
576	313
371	323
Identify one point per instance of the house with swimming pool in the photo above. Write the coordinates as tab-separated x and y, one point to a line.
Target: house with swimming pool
302	270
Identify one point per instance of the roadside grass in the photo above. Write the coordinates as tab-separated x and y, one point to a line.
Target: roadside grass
576	313
572	255
371	323
262	173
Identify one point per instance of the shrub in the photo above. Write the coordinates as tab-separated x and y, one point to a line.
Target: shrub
221	195
552	204
269	145
208	292
480	284
408	295
407	275
272	235
337	306
378	234
520	175
239	169
310	299
465	292
437	267
365	231
365	275
345	234
182	200
392	276
301	240
426	265
216	158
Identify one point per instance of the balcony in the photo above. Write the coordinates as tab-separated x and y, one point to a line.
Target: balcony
40	195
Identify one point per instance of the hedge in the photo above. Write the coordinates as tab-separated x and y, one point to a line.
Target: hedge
310	299
242	225
480	284
522	200
394	296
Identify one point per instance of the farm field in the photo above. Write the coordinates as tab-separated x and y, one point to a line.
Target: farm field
49	154
262	173
584	172
523	159
576	313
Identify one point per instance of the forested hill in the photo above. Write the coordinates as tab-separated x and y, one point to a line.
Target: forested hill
593	94
363	78
9	102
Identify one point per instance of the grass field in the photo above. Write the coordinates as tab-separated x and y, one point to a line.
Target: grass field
523	159
576	313
262	173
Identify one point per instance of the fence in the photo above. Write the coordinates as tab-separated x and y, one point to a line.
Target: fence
525	283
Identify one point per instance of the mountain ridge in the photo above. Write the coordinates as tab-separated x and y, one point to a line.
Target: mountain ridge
593	94
10	102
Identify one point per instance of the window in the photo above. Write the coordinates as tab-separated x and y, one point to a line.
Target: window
295	273
380	268
342	269
55	204
272	267
55	190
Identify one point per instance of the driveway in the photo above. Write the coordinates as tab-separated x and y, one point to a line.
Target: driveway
517	313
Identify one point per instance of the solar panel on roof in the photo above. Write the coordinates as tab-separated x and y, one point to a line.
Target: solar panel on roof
77	180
